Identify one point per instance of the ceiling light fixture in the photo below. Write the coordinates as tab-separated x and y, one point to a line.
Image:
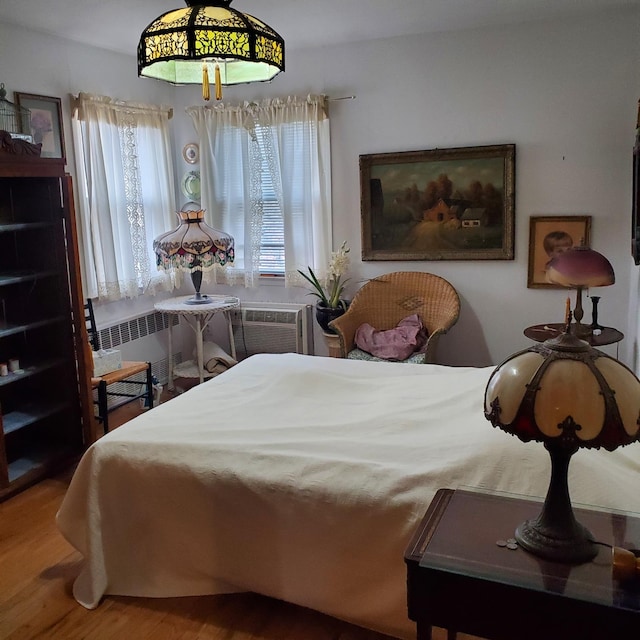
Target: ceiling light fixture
186	46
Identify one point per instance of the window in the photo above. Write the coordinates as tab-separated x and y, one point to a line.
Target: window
126	194
272	236
266	180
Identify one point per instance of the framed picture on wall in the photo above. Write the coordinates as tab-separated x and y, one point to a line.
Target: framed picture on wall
439	204
550	235
46	123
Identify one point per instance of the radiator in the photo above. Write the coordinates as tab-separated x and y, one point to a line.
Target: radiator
270	327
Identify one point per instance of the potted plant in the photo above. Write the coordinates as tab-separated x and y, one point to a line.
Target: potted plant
330	303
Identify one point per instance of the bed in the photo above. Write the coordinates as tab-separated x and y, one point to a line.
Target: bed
301	478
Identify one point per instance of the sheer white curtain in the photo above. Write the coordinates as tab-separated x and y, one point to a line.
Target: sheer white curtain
294	143
125	186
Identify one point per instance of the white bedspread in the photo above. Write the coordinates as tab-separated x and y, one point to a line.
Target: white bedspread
301	478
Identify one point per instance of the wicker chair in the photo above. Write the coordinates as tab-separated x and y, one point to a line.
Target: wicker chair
384	301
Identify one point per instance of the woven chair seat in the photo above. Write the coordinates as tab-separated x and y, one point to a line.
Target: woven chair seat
359	354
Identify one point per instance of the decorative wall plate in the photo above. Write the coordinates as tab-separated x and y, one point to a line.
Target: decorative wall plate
190	185
191	153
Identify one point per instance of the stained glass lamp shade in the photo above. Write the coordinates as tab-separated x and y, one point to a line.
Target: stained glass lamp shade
568	396
209	39
194	247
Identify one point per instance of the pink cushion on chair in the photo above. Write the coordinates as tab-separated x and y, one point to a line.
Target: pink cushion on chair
393	344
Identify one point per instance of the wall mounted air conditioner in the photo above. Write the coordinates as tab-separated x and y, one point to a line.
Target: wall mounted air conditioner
271	327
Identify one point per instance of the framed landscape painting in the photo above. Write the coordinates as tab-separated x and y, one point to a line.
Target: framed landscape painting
550	235
439	204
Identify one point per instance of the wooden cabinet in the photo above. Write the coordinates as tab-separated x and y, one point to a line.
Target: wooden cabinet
45	403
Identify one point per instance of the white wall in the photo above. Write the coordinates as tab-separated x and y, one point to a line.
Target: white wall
564	93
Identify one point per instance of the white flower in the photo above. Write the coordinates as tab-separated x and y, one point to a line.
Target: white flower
330	295
340	262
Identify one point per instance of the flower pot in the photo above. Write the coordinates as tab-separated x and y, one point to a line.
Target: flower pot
324	315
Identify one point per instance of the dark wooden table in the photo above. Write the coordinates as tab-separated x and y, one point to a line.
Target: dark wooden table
460	579
542	332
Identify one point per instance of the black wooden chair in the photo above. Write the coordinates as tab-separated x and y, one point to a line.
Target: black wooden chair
126	376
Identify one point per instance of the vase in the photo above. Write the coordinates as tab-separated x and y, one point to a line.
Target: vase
324	315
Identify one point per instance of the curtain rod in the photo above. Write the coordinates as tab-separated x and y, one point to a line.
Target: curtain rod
114	103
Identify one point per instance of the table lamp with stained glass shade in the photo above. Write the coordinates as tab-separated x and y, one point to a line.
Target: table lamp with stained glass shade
194	247
567	395
580	268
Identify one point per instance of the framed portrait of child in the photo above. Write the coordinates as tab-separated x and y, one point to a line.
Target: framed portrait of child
549	236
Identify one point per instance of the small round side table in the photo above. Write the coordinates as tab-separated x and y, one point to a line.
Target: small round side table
198	317
542	332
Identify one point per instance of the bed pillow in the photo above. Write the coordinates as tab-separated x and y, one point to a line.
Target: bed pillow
399	343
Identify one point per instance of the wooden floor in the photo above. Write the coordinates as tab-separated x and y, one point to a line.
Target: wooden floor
38	567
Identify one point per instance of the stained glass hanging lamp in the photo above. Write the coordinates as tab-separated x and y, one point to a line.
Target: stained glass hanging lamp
209	38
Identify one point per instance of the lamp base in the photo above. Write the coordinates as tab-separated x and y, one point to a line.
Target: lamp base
199	298
196	278
582	331
574	547
556	534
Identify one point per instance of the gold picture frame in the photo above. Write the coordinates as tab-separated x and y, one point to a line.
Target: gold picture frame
439	204
547	236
